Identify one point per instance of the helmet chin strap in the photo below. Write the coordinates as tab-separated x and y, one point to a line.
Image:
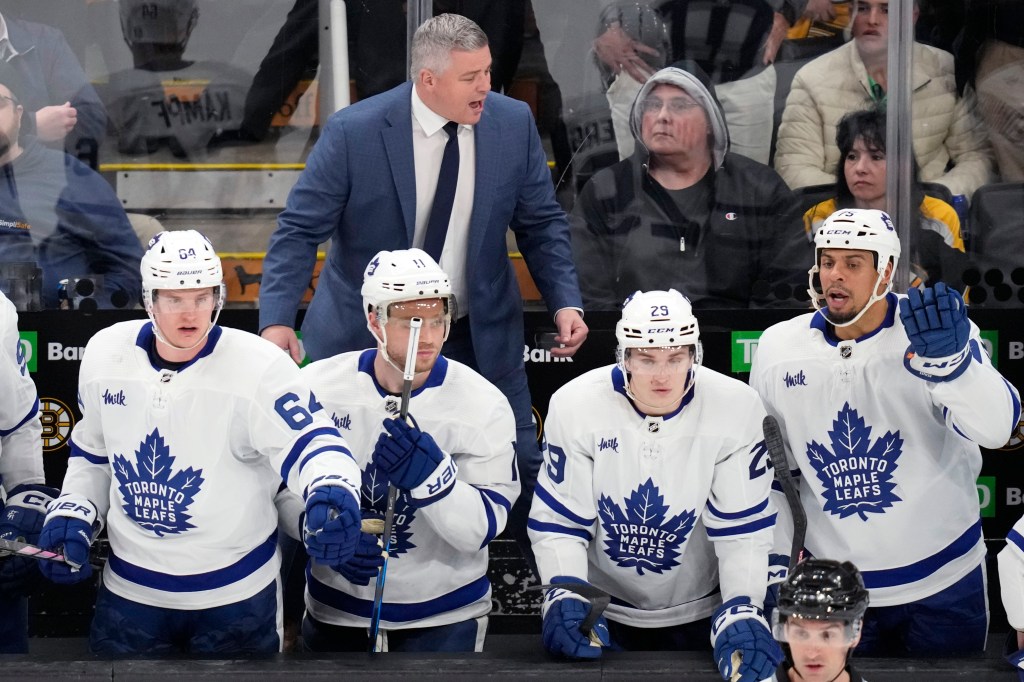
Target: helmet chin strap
818	299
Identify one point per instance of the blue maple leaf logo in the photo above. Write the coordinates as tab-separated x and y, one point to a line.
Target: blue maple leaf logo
856	473
153	495
374	501
642	537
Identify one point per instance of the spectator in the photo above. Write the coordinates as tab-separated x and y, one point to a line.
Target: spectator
949	139
56	211
188	430
370	185
818	621
936	245
437	594
61	107
166	98
684	212
21	468
655	490
884	402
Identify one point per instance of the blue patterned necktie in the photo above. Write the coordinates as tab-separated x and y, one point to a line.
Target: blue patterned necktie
441	211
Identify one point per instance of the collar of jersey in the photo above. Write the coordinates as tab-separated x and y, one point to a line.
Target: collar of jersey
147	338
619	384
435	378
818	322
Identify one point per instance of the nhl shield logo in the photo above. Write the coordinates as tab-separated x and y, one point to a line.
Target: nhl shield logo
391	405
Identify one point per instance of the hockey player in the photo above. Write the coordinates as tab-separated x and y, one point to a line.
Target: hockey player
655	489
187	431
818	620
453	462
883	401
21	472
1011	585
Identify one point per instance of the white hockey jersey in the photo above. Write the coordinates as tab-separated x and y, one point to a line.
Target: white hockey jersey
887	461
1011	575
184	465
437	570
21	450
656	511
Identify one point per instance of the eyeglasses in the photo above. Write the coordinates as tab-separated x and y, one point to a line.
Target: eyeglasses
676	105
4	99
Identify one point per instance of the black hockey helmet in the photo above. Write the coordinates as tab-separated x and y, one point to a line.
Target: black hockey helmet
823	589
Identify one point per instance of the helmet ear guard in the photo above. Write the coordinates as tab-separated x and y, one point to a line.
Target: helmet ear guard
856	229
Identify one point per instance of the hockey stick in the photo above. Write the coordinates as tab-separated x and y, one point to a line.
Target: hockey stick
22	549
777	453
389	512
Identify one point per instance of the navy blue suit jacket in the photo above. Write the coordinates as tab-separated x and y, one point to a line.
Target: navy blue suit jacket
359	190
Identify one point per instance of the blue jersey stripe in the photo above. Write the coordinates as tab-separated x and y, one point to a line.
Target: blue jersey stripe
756	509
76	451
891	577
320	451
1016	538
300	445
1016	405
31	413
766	522
196	582
397	613
559	508
492	521
543	527
496	497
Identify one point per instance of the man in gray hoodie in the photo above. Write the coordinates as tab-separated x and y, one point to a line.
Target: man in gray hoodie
685	213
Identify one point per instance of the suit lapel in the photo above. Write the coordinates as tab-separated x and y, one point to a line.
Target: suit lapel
487	135
398	144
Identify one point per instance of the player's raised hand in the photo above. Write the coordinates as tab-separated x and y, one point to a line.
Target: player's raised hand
405	454
935	320
332	524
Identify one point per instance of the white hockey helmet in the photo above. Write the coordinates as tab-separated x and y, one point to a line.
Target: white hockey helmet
657	319
408	275
181	259
861	229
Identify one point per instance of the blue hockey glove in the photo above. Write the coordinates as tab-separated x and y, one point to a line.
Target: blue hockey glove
406	454
1013	655
72	537
363	566
21	521
331	525
739	627
936	321
564	613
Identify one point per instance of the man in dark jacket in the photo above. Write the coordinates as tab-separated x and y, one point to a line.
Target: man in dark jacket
58	212
683	212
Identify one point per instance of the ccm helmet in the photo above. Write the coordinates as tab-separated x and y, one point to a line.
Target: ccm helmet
657	319
824	590
861	229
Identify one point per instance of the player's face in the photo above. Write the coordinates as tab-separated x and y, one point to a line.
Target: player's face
865	171
818	649
184	315
432	331
10	123
658	377
458	92
672	122
848	278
